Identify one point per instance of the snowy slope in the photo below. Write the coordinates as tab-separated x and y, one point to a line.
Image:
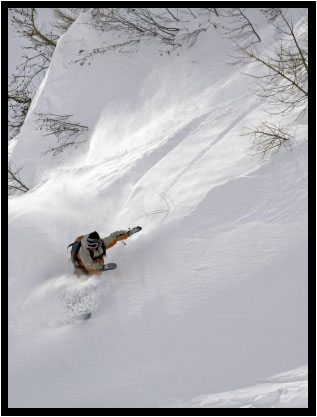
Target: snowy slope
283	391
211	296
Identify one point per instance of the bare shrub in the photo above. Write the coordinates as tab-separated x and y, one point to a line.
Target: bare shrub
62	128
236	25
168	27
15	184
65	17
267	137
39	46
282	74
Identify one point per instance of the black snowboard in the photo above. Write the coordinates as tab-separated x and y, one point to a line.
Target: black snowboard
86	316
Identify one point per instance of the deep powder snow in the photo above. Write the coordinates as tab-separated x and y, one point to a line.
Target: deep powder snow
209	300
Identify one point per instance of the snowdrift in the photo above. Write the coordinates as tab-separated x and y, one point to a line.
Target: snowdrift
211	296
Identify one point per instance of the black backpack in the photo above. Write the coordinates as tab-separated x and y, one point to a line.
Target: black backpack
75	248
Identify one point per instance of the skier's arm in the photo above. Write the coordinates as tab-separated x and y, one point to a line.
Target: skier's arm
114	237
87	261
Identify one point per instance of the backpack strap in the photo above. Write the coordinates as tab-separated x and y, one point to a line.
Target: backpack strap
103	247
75	247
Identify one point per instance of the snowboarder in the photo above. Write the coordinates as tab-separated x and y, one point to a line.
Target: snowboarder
88	251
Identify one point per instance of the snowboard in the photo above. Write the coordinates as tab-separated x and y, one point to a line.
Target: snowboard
86	316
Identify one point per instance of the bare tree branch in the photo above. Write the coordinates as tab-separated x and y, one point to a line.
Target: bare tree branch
267	137
282	74
65	17
62	128
15	184
238	27
168	27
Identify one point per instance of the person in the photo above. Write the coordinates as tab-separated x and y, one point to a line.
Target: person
89	259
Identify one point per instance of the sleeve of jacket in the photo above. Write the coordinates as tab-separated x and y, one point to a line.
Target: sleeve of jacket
87	261
114	237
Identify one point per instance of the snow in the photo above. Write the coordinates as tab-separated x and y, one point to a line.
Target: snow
211	296
276	394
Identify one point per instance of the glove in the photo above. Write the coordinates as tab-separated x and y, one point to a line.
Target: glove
109	266
134	230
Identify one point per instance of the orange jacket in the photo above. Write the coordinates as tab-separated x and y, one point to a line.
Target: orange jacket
91	262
